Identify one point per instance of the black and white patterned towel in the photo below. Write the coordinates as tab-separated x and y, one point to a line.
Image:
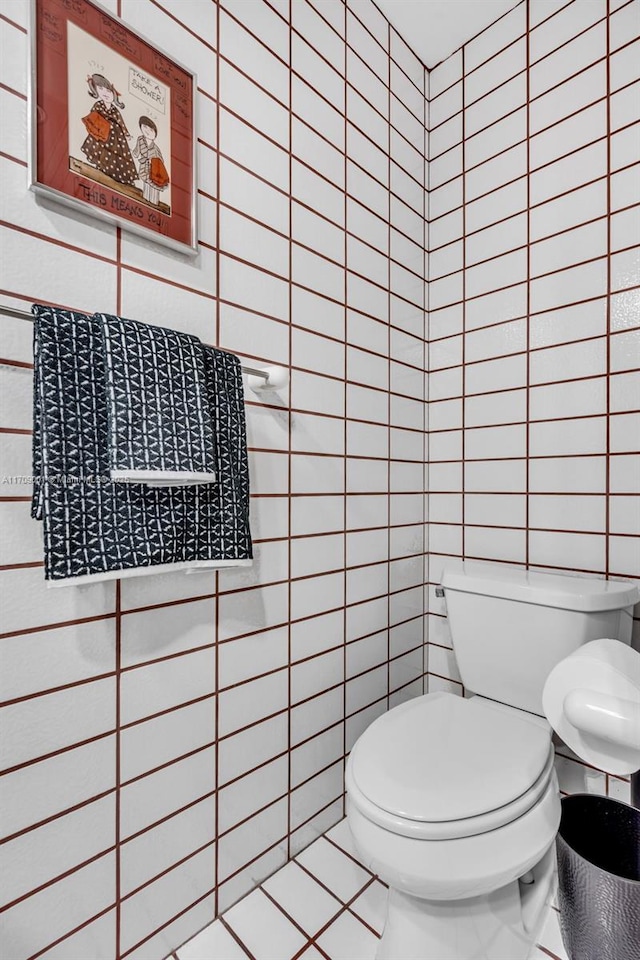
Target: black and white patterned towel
159	423
95	528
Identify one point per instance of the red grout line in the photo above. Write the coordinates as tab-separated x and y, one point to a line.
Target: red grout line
316	946
565	43
546	950
345	320
227	926
319	94
118	670
344	909
55	626
548	236
547	90
57	879
167	870
284	912
180	23
12	159
607	490
432	673
290	452
483	63
13	23
183	705
312	875
6	771
167	763
71	933
395	62
167	923
290	422
426	329
218	325
54	241
527	451
404	428
547	200
389	413
34	694
258	856
16	431
258	766
56	816
463	386
11	90
474	37
564	530
349	856
169	816
357	916
328	62
7	362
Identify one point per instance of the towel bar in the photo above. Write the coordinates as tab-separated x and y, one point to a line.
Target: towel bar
273	377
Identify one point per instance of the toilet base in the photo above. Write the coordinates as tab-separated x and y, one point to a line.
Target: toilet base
501	925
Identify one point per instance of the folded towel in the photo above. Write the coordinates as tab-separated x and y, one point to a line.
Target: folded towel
159	423
95	528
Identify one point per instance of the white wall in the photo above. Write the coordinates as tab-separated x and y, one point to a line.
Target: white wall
534	325
170	741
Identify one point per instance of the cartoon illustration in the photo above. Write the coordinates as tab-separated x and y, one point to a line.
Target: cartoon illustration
152	170
106	144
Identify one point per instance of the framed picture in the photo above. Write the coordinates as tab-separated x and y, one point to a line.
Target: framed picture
112	123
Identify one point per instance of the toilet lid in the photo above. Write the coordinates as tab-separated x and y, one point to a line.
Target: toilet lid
441	757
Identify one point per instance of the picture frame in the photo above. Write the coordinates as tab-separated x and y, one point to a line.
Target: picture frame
112	123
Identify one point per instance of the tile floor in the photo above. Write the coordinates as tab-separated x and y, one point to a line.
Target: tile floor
323	905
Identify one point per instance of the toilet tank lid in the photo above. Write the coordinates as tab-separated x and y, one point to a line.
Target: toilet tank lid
544	589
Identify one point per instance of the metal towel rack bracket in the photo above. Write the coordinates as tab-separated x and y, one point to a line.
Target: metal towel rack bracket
267	378
260	378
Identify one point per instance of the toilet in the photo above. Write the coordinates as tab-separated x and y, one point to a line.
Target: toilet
453	801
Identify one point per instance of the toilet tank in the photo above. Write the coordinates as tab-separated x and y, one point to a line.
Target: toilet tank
510	626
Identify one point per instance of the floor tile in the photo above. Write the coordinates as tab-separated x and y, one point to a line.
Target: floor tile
371	905
335	869
551	938
348	939
264	929
212	943
542	953
304	900
268	934
341	834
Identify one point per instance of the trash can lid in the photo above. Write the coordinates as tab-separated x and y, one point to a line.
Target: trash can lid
592	701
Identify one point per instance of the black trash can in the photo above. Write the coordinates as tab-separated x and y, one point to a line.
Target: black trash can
598	849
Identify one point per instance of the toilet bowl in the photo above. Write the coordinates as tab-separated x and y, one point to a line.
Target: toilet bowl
453	801
459	815
449	822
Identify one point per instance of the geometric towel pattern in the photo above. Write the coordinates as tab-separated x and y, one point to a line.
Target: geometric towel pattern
92	524
158	413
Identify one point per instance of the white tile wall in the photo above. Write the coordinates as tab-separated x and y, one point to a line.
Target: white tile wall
213	708
259	681
529	460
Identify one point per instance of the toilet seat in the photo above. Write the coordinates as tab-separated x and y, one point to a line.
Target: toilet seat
452	829
481	766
